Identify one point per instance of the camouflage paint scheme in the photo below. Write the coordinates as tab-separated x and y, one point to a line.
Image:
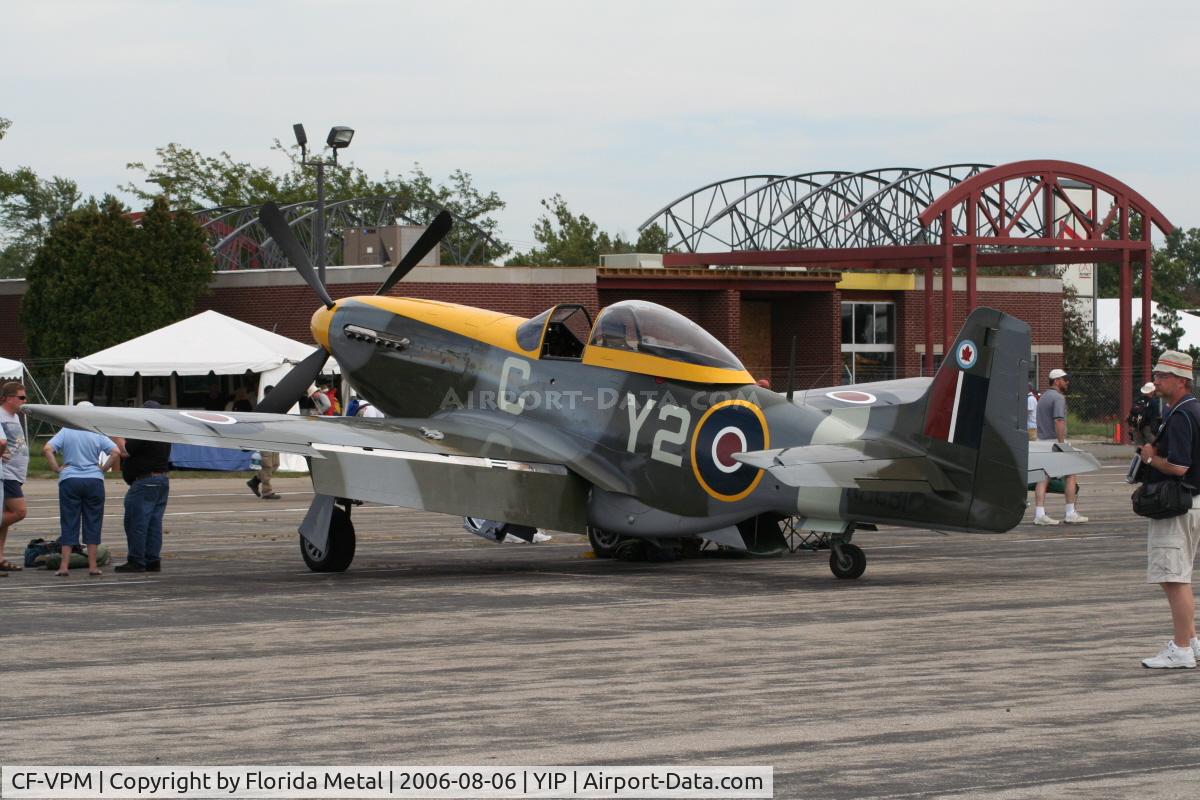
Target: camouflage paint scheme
632	437
485	421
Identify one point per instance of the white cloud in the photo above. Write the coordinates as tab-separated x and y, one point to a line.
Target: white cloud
619	106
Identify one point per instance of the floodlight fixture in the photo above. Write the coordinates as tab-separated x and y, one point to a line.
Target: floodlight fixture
339	137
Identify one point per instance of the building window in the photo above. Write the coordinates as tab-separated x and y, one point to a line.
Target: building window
937	362
868	342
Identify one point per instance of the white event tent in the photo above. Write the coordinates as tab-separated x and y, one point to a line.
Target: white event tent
11	370
1108	321
208	342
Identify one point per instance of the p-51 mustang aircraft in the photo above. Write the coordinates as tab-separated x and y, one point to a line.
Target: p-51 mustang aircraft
639	429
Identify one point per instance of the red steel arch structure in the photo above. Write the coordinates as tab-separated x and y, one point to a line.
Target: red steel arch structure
1099	229
1025	213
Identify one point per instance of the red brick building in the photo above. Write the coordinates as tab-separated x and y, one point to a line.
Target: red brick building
847	326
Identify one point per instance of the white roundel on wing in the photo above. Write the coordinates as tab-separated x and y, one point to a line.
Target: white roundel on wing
211	417
853	396
729	440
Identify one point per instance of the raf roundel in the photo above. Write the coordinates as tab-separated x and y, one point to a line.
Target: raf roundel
851	396
209	417
967	354
734	426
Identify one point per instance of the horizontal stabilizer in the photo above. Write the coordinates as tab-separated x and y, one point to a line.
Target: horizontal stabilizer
1050	459
873	465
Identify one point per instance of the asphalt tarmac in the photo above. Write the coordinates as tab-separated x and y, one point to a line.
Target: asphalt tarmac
957	666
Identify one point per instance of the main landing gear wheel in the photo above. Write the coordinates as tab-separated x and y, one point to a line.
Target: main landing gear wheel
847	561
604	544
339	550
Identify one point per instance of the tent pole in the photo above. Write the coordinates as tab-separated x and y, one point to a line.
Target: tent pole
31	381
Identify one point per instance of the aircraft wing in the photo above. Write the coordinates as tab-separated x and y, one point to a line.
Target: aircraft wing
877	393
870	464
1049	459
467	465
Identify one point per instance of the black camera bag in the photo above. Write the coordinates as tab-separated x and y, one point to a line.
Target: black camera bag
1163	499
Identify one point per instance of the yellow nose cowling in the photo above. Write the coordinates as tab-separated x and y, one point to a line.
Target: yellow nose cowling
321	320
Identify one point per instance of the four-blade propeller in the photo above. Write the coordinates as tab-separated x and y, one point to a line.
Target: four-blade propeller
295	384
272	219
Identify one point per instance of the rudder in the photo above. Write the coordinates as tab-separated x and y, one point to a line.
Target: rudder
974	416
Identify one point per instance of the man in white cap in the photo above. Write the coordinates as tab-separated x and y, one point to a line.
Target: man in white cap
1052	426
1171	544
1145	416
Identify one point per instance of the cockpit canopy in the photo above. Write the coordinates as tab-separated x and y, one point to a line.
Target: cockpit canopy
640	327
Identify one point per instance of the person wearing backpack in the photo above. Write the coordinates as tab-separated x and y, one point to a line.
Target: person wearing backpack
1172	542
80	489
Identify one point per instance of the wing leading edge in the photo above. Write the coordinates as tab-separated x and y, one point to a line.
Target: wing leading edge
870	464
463	467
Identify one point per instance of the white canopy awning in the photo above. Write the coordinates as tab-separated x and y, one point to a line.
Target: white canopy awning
1108	320
207	342
11	370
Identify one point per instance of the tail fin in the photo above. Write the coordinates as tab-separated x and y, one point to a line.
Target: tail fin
954	458
974	416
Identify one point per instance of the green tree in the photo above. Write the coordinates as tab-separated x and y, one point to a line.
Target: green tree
1174	269
461	198
1166	331
568	239
195	181
1080	350
29	206
654	239
98	279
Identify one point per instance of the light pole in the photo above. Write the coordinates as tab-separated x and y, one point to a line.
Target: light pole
339	137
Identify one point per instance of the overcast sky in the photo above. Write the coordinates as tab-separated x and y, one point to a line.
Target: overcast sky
619	106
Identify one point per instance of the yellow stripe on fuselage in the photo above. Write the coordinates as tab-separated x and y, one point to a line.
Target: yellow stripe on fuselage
659	367
489	327
500	330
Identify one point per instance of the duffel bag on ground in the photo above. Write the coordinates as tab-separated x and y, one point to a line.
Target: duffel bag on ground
79	560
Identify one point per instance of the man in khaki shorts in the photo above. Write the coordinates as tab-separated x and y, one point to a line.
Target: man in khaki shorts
1171	544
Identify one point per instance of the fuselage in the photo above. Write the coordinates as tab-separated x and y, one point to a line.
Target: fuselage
657	431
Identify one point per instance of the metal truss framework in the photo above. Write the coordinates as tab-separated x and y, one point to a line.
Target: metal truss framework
238	241
831	208
958	216
1068	210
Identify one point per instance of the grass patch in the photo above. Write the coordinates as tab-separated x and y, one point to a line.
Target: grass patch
1089	429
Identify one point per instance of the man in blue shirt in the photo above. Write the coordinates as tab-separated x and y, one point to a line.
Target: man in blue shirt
80	489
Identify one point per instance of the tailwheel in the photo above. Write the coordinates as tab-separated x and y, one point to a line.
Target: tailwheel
604	543
691	547
339	549
633	550
847	561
